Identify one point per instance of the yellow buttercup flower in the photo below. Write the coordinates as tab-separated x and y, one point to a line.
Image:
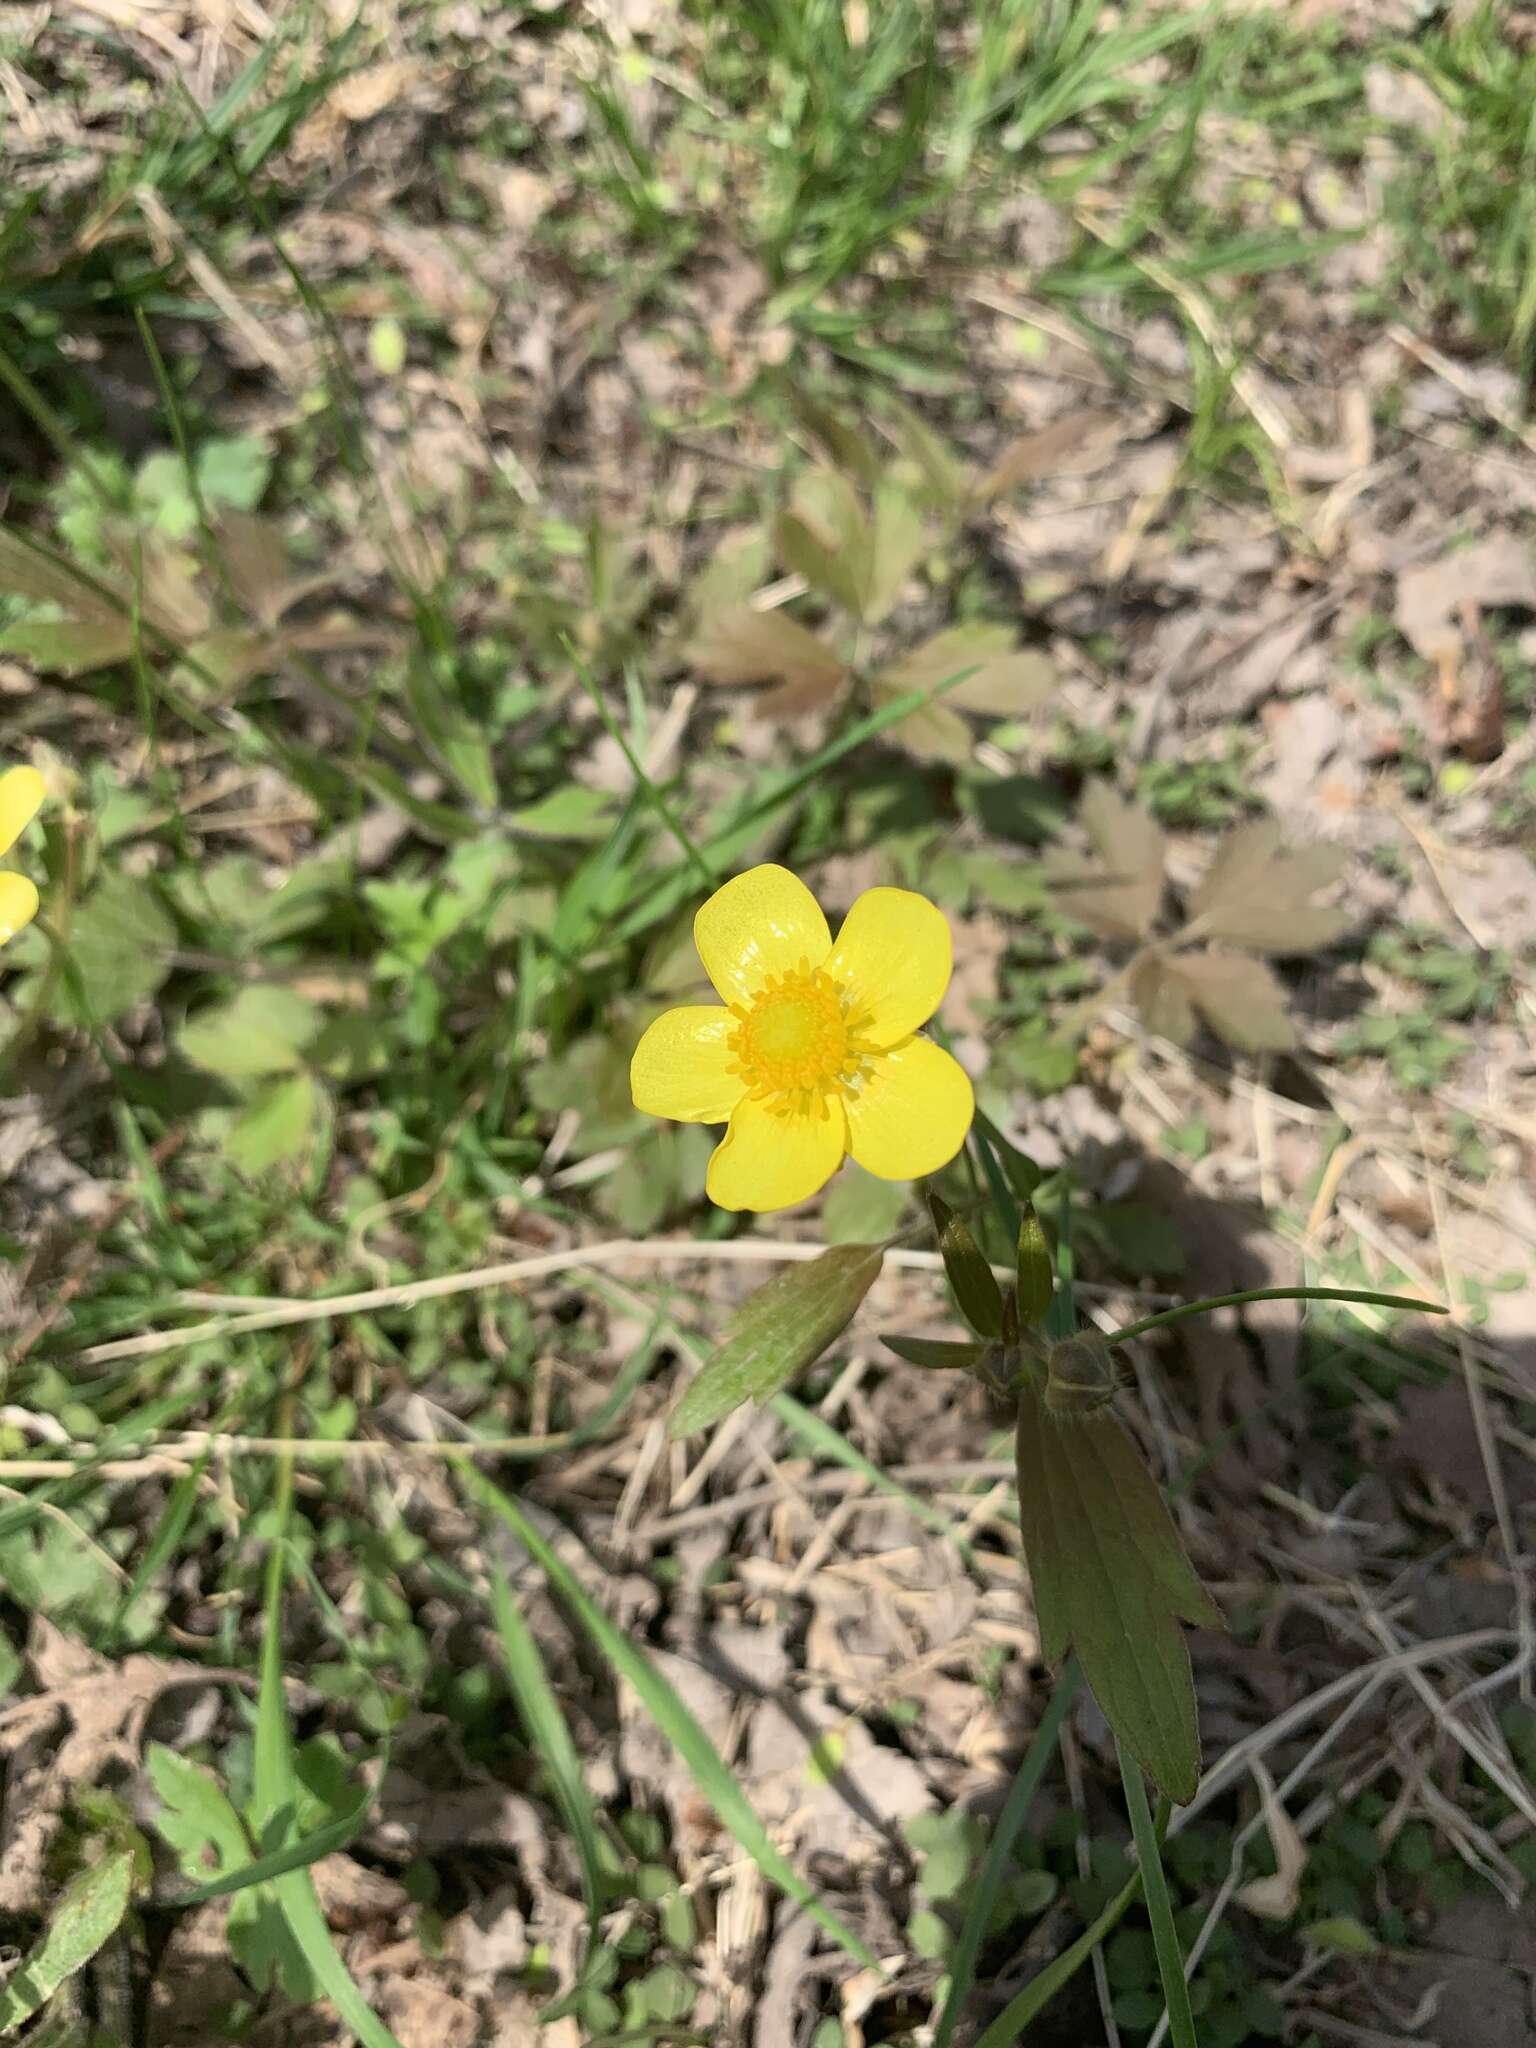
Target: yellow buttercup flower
21	794
815	1054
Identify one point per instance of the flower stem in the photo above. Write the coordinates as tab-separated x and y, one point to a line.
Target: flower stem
1170	1960
1199	1308
978	1915
1037	1994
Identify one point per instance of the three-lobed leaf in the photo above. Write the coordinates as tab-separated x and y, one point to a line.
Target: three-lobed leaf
736	645
1258	893
779	1331
262	1030
1118	889
120	944
276	1126
1238	996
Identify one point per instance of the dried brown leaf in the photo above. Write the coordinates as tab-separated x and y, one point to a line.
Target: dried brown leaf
1275	1897
1500	570
1118	889
738	646
1074	445
1257	893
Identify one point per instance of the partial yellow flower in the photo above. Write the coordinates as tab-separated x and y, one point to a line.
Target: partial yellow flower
816	1054
21	795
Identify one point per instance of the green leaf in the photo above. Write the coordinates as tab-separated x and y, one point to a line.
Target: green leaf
1000	677
448	730
276	1796
571	812
69	647
1344	1935
234	471
195	1819
777	1332
976	1291
1037	1282
1111	1581
734	571
262	1031
325	1840
943	472
931	733
550	1741
718	1784
824	536
1239	998
1019	1170
860	1208
897	541
935	1355
848	447
28	568
89	1912
1139	1236
276	1127
119	945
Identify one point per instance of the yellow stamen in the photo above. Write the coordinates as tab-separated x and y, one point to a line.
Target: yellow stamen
797	1045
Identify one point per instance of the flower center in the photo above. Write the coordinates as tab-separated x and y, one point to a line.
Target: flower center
796	1042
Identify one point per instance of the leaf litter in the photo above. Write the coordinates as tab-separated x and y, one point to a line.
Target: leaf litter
1090	545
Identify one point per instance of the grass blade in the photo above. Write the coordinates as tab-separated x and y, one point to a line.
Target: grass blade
978	1914
324	1841
550	1740
163	1544
1170	1959
276	1798
706	1766
1024	2009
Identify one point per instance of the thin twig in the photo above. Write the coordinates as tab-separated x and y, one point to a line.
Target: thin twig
278	1312
1487	1445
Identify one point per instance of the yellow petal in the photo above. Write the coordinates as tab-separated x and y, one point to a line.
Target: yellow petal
761	924
911	1115
21	794
766	1161
893	956
18	905
680	1066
